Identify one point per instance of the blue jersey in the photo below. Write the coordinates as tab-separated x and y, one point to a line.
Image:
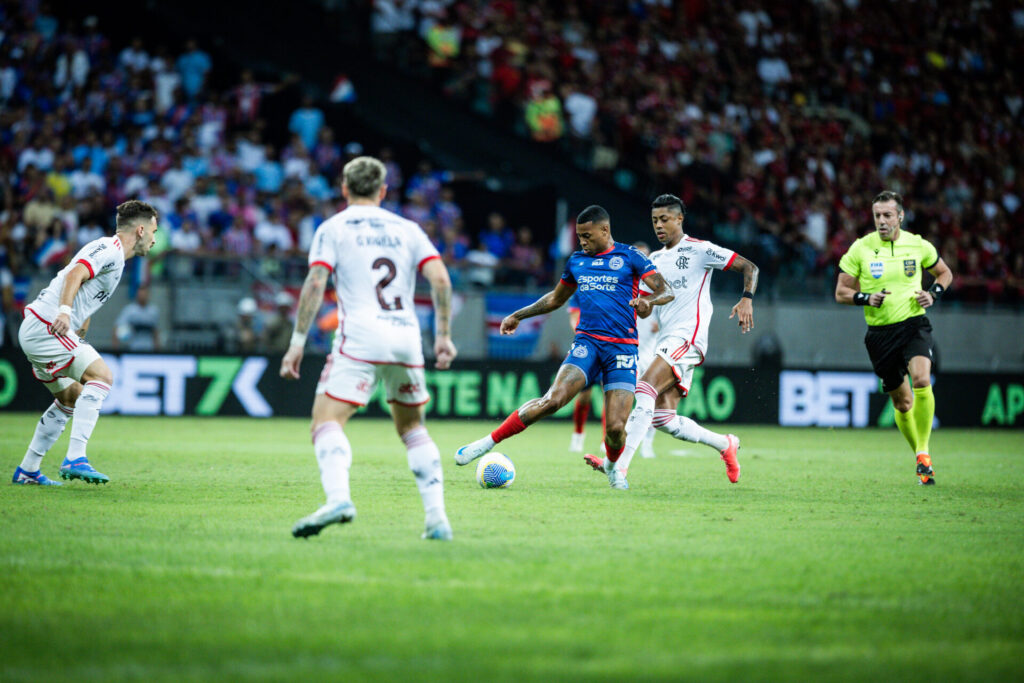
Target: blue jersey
605	284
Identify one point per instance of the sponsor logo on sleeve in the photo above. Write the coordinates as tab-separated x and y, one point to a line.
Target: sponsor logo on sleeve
715	255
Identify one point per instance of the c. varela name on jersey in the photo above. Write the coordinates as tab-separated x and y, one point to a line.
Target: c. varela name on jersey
687	268
104	258
374	255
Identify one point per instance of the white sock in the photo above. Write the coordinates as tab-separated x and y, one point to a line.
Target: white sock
685	429
48	430
639	422
87	412
649	437
425	463
334	456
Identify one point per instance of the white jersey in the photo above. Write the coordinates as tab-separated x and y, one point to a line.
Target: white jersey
374	255
104	258
687	268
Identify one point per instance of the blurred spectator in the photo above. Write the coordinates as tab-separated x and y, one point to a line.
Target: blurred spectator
306	122
525	262
138	325
498	238
245	335
193	66
277	334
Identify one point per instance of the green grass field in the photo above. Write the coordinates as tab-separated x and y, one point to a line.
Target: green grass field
826	561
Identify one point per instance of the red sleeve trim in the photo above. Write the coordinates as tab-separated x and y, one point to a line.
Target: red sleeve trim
648	273
643	293
322	263
730	261
567	283
424	262
86	264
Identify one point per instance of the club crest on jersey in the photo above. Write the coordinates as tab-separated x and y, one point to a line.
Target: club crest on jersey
579	351
682	262
876	269
909	267
615	262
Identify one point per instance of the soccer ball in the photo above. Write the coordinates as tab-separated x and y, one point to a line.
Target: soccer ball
495	471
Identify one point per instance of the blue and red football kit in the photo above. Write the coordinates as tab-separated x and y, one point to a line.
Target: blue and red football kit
606	339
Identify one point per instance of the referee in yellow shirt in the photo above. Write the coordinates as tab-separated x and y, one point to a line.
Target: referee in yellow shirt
882	272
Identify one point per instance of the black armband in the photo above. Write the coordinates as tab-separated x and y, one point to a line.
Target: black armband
936	291
861	299
747	295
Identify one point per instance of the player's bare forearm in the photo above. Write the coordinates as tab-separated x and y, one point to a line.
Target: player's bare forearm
846	287
848	291
661	292
943	274
442	297
547	303
84	328
749	270
72	283
436	274
311	298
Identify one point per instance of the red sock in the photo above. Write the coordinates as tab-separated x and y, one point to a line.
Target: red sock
510	427
579	415
614	455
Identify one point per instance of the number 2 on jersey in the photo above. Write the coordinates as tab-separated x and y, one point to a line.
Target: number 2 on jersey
389	265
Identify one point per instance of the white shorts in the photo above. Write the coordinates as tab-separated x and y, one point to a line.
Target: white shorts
681	356
353	381
57	362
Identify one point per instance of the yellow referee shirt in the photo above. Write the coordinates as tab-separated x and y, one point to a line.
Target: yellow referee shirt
893	266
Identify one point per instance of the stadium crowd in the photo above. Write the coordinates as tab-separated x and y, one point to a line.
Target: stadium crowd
86	124
775	122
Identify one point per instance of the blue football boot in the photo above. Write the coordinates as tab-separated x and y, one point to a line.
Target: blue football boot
81	469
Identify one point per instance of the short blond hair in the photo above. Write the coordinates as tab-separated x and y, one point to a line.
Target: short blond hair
364	177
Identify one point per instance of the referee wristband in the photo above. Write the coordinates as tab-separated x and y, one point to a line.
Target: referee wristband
298	339
748	295
861	299
65	309
936	291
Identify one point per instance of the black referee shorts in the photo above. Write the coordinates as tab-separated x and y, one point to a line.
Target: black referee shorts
891	347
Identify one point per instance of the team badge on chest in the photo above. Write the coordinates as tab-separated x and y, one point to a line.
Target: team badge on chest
876	269
616	262
909	267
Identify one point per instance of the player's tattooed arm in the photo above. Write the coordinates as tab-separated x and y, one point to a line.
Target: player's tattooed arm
749	270
436	274
661	294
311	298
744	309
441	293
84	328
554	299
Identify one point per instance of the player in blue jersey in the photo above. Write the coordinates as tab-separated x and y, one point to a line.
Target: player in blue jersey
606	277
